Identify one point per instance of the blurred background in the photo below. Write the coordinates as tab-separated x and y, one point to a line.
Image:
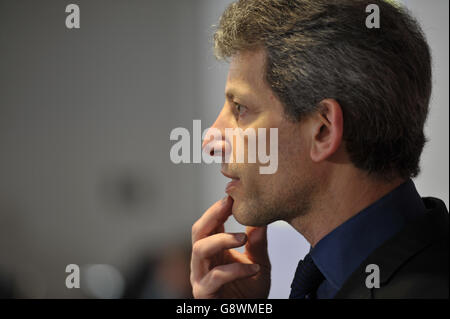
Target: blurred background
85	118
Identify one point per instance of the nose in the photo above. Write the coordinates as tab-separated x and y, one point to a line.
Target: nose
214	142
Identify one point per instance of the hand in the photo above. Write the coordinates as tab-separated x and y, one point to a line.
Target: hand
217	270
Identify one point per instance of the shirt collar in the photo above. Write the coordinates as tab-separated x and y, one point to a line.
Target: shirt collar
339	253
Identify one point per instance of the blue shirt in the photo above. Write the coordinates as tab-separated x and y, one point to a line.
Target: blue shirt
339	253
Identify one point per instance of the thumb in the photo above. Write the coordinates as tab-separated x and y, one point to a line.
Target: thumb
256	246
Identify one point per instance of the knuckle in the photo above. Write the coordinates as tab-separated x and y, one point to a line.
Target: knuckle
215	275
197	249
196	291
195	229
192	279
199	291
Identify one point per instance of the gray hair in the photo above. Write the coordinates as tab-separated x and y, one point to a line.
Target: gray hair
318	49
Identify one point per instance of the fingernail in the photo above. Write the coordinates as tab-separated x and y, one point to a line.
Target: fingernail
255	267
240	237
224	200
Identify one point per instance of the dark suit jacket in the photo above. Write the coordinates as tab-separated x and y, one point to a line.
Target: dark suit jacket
413	264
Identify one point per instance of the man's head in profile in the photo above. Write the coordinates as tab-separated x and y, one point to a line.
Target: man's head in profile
349	102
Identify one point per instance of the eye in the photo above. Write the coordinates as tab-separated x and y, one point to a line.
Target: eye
241	110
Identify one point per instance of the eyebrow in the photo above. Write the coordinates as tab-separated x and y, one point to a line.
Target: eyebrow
233	92
230	94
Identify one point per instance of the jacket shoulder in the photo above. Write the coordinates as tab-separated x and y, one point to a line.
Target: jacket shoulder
424	275
412	264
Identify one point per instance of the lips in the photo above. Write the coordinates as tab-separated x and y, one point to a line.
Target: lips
235	181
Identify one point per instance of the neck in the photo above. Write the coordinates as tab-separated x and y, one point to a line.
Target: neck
340	199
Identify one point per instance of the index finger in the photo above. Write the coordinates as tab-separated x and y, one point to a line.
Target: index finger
213	218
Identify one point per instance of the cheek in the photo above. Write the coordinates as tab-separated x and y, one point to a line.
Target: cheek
293	148
251	176
293	163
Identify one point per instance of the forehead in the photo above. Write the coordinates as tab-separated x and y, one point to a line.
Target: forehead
246	72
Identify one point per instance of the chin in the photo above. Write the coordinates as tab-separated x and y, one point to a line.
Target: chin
245	215
240	213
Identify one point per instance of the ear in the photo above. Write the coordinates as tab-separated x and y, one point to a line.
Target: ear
327	129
